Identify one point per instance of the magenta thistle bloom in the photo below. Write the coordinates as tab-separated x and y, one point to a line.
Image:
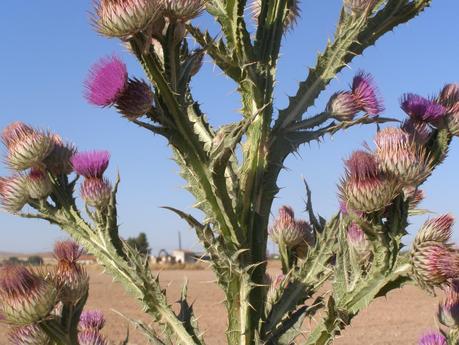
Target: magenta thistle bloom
96	192
342	106
29	335
25	297
91	164
433	338
92	320
91	337
422	109
13	193
366	94
107	80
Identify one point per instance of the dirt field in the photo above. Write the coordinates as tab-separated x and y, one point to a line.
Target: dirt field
399	319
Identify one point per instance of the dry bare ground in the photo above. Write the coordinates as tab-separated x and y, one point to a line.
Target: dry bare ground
399	319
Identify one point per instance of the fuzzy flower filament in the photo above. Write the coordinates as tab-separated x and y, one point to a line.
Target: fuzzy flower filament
422	109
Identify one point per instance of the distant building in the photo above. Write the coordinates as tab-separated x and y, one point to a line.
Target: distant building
184	256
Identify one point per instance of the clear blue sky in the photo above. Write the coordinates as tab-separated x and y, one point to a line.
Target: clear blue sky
48	46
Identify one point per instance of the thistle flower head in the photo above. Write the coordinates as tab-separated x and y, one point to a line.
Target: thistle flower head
91	337
184	10
366	94
106	82
38	184
16	132
136	100
419	131
91	164
342	106
123	18
58	161
422	109
92	320
286	230
30	151
13	193
449	95
29	335
448	312
96	192
291	18
437	229
357	239
362	165
398	154
414	196
433	338
25	297
67	252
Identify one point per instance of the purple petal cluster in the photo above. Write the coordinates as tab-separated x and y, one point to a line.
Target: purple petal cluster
92	320
106	81
91	164
422	109
366	94
433	338
91	337
68	251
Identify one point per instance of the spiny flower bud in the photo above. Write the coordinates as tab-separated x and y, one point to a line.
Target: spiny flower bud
25	297
449	95
448	312
107	80
91	164
357	239
96	192
136	100
91	320
29	335
433	338
402	157
16	132
91	337
419	131
414	196
58	161
123	18
422	109
453	122
437	229
184	10
38	184
366	94
342	106
286	230
30	152
70	275
13	193
290	20
357	7
365	188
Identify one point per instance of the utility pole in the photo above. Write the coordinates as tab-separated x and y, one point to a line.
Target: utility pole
179	240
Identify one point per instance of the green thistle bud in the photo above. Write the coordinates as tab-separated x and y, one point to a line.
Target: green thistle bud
38	184
30	152
13	193
29	335
342	106
437	229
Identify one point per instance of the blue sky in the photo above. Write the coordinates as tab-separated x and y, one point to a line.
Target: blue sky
48	47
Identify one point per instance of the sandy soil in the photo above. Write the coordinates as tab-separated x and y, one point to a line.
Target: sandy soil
399	319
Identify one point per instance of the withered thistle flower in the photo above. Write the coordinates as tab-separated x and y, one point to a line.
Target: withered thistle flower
136	100
290	20
422	109
365	188
183	10
342	106
91	164
96	192
433	338
91	337
91	320
448	312
437	229
58	161
13	193
25	297
398	154
285	230
123	18
71	276
29	335
107	80
38	184
366	94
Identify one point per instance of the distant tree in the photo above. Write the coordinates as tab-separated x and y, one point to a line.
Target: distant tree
13	260
140	243
35	260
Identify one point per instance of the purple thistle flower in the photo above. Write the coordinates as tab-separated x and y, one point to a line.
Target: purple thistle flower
92	320
433	338
91	337
91	164
107	80
362	165
342	106
68	251
422	109
366	94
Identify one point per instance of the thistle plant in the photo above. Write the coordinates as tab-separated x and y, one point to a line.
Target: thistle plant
232	172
